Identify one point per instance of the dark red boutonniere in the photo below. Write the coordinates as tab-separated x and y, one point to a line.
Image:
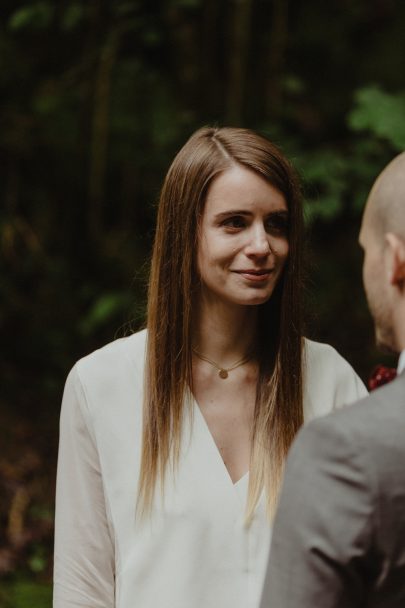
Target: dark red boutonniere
381	375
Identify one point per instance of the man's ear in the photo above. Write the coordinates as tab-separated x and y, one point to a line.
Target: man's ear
396	256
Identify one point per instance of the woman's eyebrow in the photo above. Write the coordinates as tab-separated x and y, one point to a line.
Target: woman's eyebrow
224	214
279	211
243	212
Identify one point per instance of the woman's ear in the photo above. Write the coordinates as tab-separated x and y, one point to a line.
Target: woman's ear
396	259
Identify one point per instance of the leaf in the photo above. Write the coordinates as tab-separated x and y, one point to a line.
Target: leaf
124	9
37	563
37	16
187	3
294	84
105	308
324	174
72	16
325	207
381	113
32	595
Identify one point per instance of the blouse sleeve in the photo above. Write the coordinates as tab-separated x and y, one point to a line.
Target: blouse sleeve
349	387
84	547
330	382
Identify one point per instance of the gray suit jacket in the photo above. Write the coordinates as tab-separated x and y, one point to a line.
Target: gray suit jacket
339	532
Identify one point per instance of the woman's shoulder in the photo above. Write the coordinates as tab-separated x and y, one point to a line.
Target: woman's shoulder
329	379
127	346
105	389
325	356
118	361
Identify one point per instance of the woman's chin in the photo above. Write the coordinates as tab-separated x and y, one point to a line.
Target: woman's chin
253	300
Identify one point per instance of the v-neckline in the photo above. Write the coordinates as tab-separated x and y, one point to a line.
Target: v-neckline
214	446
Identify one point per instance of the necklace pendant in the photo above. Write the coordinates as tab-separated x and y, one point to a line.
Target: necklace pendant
223	374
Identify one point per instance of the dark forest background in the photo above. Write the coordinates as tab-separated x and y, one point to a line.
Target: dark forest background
96	98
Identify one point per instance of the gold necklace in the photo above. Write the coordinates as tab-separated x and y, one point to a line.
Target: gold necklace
222	371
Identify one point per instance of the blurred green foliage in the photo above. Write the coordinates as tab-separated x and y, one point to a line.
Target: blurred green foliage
37	15
380	113
25	594
97	98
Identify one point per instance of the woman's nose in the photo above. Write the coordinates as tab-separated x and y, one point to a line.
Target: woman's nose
259	243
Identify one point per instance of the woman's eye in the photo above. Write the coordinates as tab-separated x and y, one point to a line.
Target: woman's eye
234	222
277	225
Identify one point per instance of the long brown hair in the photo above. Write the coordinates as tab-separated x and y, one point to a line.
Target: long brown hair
173	280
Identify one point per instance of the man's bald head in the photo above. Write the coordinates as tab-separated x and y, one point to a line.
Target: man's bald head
386	203
382	238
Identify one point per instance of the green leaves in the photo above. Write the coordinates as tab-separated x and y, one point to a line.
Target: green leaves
339	176
106	307
72	16
380	113
112	89
186	3
26	594
324	176
36	16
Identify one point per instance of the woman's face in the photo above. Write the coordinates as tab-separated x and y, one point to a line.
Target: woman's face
243	243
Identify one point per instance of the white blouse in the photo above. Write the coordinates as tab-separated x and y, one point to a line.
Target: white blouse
194	551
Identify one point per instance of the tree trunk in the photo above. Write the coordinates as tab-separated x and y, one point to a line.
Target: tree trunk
238	53
278	39
100	132
211	86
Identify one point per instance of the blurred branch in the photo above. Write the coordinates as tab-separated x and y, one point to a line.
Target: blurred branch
18	508
17	236
12	182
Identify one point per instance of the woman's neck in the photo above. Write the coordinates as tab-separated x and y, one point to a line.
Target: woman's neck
224	333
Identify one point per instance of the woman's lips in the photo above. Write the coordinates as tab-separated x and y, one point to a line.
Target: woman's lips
257	276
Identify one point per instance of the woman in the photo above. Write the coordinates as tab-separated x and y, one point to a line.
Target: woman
173	442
